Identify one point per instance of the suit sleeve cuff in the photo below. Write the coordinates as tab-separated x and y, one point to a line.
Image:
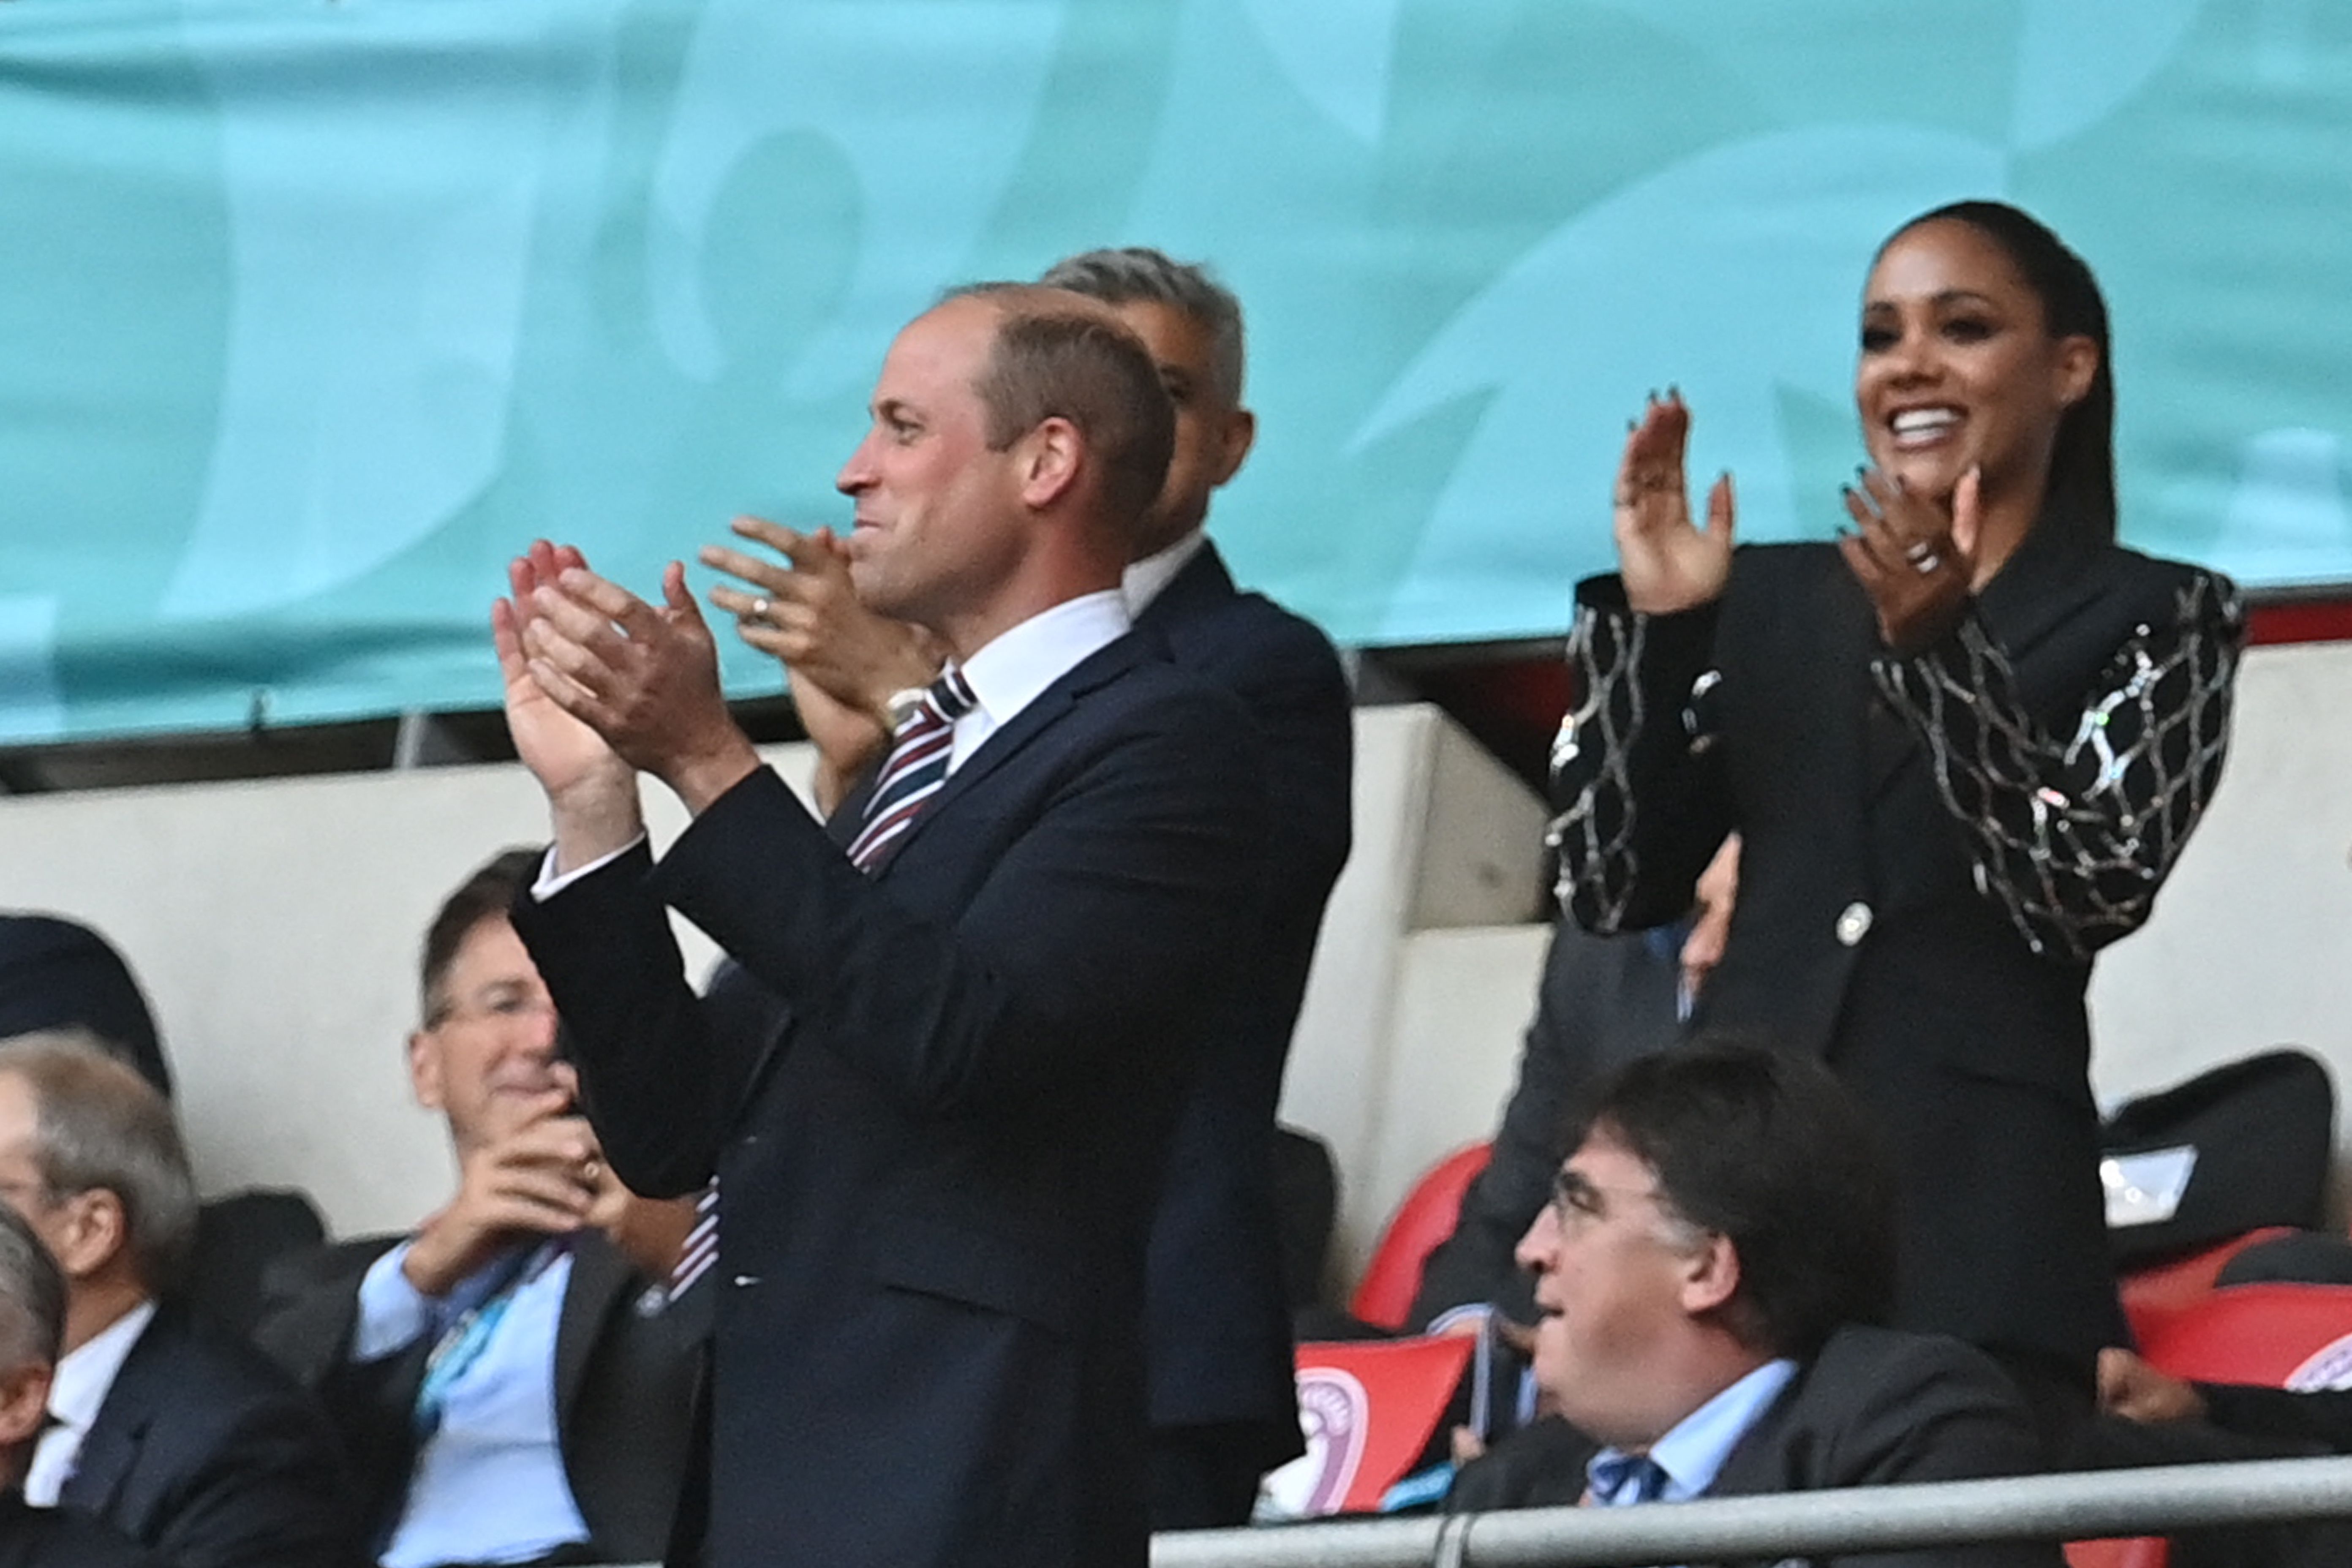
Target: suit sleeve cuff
551	882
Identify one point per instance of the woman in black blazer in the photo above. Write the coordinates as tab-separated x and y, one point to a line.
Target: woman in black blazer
1964	746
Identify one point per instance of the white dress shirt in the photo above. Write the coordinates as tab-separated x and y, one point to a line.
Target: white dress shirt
83	1377
1017	665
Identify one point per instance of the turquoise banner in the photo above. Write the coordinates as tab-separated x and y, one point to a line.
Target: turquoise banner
312	311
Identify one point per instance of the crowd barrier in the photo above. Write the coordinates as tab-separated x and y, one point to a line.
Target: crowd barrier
2152	1502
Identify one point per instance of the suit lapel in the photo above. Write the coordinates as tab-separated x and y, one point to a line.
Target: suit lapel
1099	668
1857	746
600	1273
112	1446
2052	576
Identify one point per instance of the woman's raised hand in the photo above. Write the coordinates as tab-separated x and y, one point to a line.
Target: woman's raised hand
1667	562
1914	556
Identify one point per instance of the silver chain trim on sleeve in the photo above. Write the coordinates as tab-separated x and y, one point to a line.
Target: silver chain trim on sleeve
2073	838
1593	751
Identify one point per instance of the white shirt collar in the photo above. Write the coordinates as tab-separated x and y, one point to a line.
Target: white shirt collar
77	1393
1145	579
84	1374
1018	664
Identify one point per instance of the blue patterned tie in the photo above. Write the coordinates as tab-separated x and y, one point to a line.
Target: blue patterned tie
915	768
1621	1478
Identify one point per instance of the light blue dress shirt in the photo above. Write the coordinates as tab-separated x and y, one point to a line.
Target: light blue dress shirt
1694	1450
489	1485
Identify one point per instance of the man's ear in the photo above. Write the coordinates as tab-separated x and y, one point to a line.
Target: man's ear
24	1402
1234	440
424	1069
95	1230
1711	1275
1049	459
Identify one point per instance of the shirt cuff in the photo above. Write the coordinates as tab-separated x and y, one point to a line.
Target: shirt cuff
394	1314
551	883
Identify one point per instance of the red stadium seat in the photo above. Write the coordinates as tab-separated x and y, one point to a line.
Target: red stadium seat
2163	1291
2280	1336
2127	1552
1426	1216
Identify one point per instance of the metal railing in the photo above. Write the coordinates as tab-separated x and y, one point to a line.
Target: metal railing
2154	1501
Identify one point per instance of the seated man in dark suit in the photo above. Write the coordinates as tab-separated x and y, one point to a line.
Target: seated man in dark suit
526	1329
184	1439
1707	1273
32	1327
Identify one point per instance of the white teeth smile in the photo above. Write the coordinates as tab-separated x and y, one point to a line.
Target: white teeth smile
1918	426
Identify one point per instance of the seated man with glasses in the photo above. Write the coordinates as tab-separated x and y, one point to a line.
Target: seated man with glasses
169	1431
1717	1248
513	1379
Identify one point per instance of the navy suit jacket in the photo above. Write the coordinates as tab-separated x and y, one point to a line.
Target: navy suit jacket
1874	1407
209	1457
1218	1330
938	1121
48	1538
625	1385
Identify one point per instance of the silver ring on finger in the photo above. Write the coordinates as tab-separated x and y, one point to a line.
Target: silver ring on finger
758	611
1925	562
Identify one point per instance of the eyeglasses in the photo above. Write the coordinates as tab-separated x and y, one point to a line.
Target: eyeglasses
1578	1203
1576	1199
505	1005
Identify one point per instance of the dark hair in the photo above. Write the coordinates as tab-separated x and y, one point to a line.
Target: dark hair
99	1126
1770	1151
32	1297
2081	496
488	894
1054	358
1137	272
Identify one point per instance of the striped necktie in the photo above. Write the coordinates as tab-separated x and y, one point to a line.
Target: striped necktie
701	1249
915	768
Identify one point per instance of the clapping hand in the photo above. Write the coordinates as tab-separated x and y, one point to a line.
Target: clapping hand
1912	556
643	678
1666	561
566	755
536	1176
846	660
